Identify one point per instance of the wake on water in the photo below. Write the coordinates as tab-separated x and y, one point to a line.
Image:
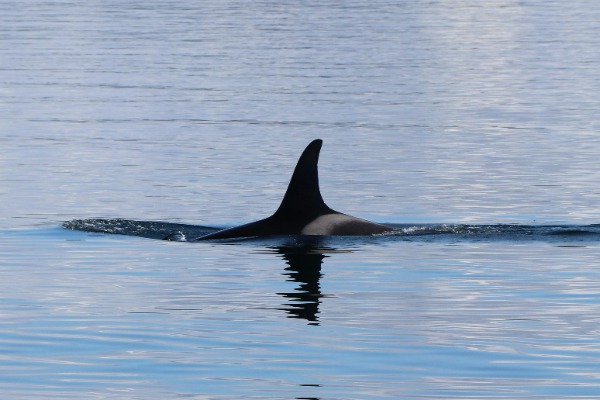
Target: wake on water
415	232
303	193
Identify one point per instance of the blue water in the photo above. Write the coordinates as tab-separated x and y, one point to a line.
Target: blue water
433	114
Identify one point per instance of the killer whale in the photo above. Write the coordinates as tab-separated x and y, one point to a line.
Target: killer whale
302	210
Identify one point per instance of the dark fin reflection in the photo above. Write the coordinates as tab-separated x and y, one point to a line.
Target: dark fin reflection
304	267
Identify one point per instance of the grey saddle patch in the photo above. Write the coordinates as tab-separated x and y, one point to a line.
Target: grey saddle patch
302	210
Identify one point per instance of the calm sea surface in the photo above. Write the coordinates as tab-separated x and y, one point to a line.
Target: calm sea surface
464	112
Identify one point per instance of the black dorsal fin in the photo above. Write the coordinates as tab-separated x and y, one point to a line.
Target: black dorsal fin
303	198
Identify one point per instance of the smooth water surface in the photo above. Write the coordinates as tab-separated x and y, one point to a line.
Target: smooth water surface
434	113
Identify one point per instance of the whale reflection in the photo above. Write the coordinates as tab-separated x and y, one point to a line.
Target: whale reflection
304	261
304	268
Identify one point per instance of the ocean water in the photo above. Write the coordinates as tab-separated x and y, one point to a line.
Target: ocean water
471	117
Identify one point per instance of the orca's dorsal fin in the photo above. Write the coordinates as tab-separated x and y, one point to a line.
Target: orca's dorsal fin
303	198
